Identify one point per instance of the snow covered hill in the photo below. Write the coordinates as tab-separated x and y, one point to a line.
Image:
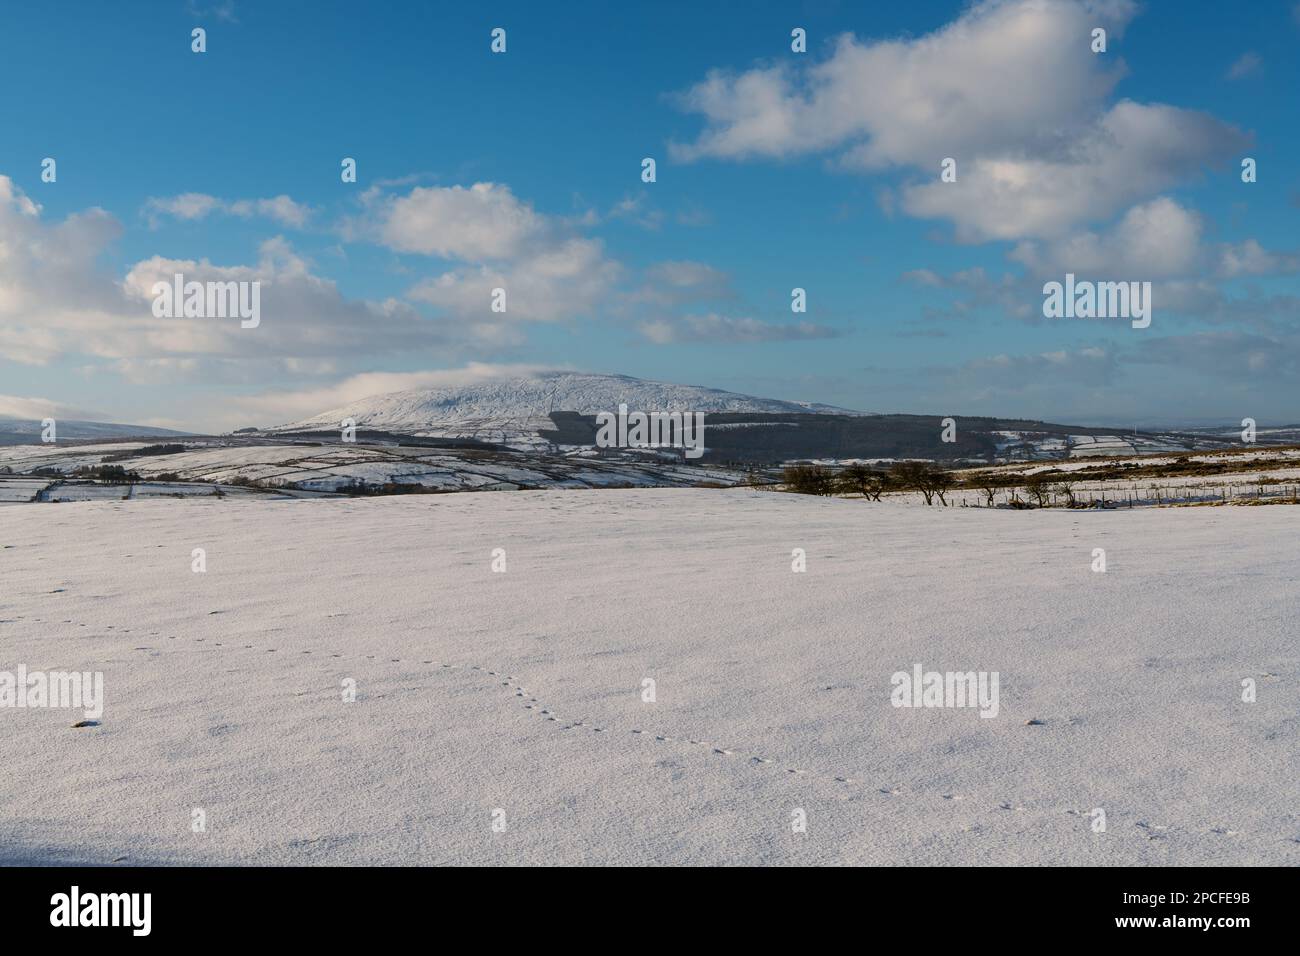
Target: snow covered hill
21	431
523	403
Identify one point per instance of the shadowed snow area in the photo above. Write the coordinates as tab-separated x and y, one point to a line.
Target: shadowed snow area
523	690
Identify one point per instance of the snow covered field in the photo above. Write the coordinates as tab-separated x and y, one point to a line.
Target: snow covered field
327	468
517	697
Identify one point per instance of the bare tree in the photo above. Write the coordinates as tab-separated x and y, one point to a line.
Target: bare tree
808	480
913	476
878	485
988	485
853	479
859	479
1039	487
1066	487
941	482
921	476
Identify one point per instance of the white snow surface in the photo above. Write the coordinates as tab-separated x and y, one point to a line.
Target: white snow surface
523	402
522	691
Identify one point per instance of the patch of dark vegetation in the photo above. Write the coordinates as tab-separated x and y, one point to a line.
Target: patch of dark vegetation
256	484
769	439
809	480
148	451
933	483
369	436
109	474
361	489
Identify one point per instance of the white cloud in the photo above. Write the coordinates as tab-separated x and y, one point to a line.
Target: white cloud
483	222
727	329
1244	357
280	208
1091	365
926	277
1245	65
55	300
223	10
186	206
302	314
676	282
685	274
1155	240
548	272
1131	153
1249	258
15	406
1011	90
1003	75
192	207
47	276
563	282
635	209
975	290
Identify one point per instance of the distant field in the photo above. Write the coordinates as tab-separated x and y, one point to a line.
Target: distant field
235	466
331	467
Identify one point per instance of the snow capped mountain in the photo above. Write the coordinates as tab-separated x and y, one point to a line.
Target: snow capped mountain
524	403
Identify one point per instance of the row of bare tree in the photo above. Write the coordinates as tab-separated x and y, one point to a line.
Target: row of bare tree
933	483
919	476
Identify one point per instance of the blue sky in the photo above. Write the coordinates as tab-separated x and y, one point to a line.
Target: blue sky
775	170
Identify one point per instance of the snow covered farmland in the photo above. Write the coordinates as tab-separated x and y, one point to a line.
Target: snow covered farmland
518	697
322	468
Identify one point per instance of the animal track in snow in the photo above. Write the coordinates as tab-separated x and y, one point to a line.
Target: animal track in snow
754	761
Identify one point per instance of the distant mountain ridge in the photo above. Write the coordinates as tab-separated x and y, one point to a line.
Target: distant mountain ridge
26	431
527	401
552	411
